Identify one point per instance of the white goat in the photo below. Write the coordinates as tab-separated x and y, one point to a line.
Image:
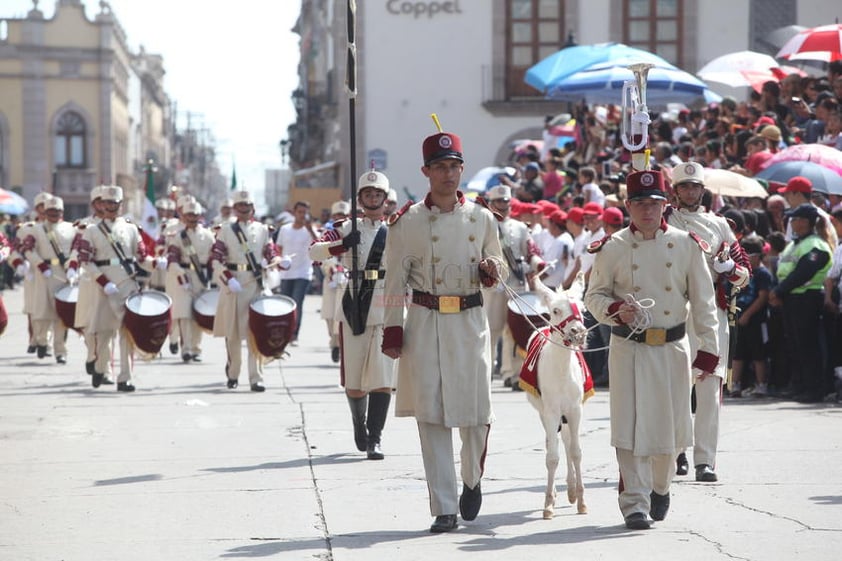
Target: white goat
556	388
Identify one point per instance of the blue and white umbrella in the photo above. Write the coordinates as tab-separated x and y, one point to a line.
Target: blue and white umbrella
603	83
12	203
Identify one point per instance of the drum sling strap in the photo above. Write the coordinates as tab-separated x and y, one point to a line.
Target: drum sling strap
127	265
356	310
51	236
511	261
252	261
194	258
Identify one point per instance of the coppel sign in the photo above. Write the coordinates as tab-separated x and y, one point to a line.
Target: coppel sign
422	9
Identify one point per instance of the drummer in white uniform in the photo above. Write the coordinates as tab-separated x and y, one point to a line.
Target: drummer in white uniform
443	248
653	263
112	252
524	260
47	247
367	375
241	250
87	288
188	275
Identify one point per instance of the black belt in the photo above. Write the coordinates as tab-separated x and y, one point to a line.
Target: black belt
446	304
368	274
113	262
651	336
238	267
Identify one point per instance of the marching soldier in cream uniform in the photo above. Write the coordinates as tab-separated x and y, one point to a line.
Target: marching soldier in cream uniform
367	374
87	288
333	284
728	263
225	213
100	255
650	358
47	247
523	259
238	269
188	255
23	268
443	248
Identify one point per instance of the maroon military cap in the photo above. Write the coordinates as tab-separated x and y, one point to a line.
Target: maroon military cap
646	185
441	146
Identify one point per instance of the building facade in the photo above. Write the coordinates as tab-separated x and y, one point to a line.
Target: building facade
465	60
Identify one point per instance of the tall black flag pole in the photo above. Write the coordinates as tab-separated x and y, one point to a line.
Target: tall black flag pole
351	87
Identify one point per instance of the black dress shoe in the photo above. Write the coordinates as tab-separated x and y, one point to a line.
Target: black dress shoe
232	384
30	349
42	350
174	348
705	473
470	501
659	505
125	387
258	387
334	354
60	359
682	466
374	452
89	367
186	357
96	379
637	521
106	381
507	383
443	523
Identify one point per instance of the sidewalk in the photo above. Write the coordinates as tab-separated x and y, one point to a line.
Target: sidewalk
185	469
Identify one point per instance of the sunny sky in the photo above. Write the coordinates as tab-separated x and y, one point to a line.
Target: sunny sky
232	65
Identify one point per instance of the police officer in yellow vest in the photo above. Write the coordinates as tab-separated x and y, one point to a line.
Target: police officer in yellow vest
802	269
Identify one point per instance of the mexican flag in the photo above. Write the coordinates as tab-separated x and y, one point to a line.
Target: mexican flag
149	223
234	178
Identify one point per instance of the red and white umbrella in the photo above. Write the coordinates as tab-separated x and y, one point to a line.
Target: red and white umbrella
819	43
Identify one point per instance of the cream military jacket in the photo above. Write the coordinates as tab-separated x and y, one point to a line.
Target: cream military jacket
41	246
182	279
444	373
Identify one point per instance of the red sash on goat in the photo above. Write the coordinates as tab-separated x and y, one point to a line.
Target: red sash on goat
529	370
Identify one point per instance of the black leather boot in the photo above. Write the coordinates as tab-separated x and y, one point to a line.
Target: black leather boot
358	407
378	410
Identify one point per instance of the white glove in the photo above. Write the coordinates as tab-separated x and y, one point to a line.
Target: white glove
110	288
726	266
47	273
161	263
234	285
187	286
285	263
22	269
72	275
333	283
264	263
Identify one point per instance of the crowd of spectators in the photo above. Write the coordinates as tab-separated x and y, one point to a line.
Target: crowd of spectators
556	187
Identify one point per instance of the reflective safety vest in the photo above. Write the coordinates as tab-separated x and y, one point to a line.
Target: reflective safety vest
793	253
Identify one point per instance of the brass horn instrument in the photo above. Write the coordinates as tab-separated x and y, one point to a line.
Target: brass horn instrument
634	125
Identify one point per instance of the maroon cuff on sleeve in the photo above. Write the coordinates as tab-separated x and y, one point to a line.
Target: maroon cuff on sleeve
227	275
43	266
392	337
705	362
73	264
17	262
102	280
613	309
487	280
337	250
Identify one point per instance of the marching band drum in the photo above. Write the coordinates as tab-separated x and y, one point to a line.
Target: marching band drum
66	298
525	315
204	308
148	319
272	320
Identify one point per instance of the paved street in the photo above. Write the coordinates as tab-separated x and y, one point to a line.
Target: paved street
184	469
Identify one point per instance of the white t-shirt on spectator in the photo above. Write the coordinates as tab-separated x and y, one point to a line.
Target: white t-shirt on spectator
296	244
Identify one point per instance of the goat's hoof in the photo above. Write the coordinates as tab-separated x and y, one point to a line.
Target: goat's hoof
548	514
582	509
571	497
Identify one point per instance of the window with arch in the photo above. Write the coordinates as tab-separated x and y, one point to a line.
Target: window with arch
655	26
69	142
534	31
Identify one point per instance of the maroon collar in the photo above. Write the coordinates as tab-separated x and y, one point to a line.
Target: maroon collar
429	203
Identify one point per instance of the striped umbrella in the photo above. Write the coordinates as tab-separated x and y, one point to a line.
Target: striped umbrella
819	43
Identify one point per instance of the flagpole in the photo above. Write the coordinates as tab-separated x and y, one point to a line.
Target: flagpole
351	87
